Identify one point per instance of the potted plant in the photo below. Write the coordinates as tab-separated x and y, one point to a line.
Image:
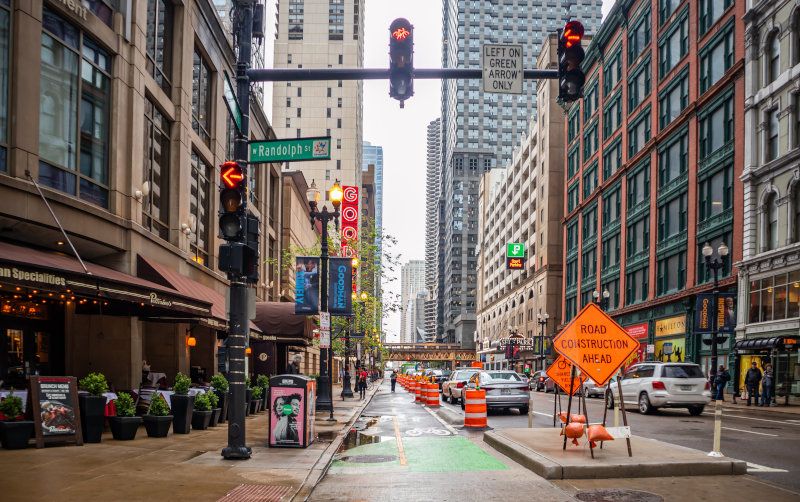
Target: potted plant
248	396
263	382
126	423
15	431
220	384
201	415
158	419
215	409
93	406
182	405
255	404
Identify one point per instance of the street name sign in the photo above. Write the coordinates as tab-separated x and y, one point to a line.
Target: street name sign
595	343
515	255
502	68
290	150
561	371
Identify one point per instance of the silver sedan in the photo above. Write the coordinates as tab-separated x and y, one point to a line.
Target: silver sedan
504	389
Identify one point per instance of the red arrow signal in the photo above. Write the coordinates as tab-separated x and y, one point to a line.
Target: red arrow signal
232	176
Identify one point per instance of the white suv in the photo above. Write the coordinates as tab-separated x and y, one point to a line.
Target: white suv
654	385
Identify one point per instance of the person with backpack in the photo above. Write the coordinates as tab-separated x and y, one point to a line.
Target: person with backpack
362	383
394	379
721	380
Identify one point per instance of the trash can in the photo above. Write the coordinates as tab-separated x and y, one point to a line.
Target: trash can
292	405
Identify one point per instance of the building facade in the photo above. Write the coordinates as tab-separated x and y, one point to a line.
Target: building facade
653	170
524	204
117	121
479	130
432	201
769	273
412	281
322	34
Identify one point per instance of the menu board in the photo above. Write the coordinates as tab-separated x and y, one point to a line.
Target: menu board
54	409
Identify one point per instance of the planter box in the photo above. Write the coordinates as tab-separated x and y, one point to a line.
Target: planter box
223	404
157	427
15	435
216	412
248	396
124	428
200	419
93	417
182	408
254	406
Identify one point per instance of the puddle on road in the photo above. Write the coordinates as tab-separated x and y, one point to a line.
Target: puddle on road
326	437
358	436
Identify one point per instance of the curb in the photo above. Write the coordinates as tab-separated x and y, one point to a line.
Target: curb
450	416
325	460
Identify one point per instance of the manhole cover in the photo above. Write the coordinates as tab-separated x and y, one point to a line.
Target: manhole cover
617	495
368	459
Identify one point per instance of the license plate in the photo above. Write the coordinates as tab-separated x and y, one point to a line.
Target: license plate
686	387
505	391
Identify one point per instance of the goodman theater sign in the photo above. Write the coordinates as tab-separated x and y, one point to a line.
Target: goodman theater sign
340	285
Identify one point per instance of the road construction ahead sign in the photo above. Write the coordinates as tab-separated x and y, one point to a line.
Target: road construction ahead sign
561	371
595	344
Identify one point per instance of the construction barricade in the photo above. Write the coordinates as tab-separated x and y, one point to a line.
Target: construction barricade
475	408
432	396
419	397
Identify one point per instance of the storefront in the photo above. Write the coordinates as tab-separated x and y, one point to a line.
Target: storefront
670	339
641	332
284	335
779	351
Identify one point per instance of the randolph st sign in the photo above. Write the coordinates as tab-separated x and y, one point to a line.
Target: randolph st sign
290	150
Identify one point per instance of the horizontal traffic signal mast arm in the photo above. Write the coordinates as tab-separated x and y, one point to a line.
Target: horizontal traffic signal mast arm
308	74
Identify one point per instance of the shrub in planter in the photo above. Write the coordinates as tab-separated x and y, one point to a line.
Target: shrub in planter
202	412
158	419
15	431
220	384
215	410
263	382
126	423
93	406
182	405
255	402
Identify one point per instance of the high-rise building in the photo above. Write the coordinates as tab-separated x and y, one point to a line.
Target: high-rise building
432	196
412	281
322	34
372	155
480	129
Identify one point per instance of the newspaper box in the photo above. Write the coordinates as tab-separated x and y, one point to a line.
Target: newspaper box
292	400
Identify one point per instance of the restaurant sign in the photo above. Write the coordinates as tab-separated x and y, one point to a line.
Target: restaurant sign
54	407
34	277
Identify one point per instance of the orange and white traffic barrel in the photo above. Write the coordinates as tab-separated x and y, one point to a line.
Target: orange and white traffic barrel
432	397
418	390
475	408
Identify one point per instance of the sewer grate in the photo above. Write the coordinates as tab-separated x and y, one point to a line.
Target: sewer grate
256	493
617	495
368	459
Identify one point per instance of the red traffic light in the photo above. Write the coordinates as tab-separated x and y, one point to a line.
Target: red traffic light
231	174
572	34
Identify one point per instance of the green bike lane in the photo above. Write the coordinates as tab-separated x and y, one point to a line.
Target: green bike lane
398	450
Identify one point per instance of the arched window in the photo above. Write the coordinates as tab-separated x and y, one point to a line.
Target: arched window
796	37
771	222
773	57
796	215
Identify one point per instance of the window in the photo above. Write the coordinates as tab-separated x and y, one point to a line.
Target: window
572	197
710	12
590	142
610	256
716	128
773	58
612	159
772	130
612	205
341	59
590	101
775	298
339	123
703	272
612	116
672	218
155	207
5	30
589	180
572	237
716	58
230	137
638	85
673	100
796	215
159	42
636	284
638	36
673	160
638	237
589	221
638	133
74	112
671	275
570	307
574	125
770	222
336	20
199	200
612	287
201	97
296	12
674	46
588	265
666	8
638	187
612	73
573	161
572	274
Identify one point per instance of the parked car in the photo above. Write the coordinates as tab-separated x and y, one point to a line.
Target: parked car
504	389
452	387
537	380
438	376
591	389
649	386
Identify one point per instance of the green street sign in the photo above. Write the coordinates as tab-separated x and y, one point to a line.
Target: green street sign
290	150
515	250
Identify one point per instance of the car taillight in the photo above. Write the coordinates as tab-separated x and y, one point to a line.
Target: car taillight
541	379
460	385
708	385
659	386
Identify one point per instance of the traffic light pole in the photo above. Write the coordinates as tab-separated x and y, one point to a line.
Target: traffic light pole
309	74
239	323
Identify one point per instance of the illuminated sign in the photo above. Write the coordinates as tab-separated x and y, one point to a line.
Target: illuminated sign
515	255
515	263
231	176
401	33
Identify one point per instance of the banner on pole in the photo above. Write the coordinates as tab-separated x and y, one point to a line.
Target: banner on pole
340	279
306	285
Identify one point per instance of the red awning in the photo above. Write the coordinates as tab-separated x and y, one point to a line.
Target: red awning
277	319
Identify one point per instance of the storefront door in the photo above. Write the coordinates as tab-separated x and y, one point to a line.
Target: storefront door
26	352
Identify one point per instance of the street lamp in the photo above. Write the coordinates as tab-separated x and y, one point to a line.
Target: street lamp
715	265
604	302
542	320
335	194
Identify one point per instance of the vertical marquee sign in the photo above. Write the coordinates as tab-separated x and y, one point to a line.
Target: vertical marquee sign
350	228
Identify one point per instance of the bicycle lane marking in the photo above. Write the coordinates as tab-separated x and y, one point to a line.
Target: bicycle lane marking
441	421
397	436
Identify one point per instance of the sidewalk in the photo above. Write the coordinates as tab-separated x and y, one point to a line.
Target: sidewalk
741	406
186	466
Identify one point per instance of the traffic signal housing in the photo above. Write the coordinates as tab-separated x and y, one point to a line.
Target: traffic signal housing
570	56
401	60
233	202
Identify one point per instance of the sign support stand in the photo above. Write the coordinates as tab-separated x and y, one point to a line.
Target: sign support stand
569	404
624	415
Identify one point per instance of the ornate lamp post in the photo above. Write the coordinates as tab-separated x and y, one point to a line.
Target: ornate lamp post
604	302
715	265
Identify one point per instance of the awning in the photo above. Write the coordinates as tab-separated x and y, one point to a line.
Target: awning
162	274
278	320
49	271
768	343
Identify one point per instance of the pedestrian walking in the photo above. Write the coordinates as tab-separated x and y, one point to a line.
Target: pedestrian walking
767	386
394	379
721	380
293	368
362	383
752	380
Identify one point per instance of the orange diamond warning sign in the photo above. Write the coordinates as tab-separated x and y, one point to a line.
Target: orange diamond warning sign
561	371
595	344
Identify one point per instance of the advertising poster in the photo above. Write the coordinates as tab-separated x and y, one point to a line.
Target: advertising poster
288	410
340	286
306	294
726	313
55	412
671	350
640	332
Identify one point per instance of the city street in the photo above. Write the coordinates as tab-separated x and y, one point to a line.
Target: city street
767	441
